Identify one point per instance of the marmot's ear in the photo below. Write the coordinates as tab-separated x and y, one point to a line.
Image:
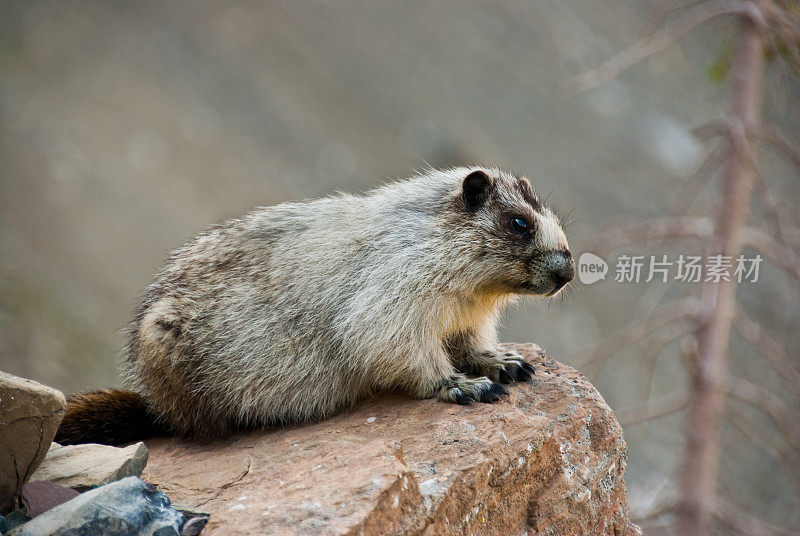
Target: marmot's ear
476	189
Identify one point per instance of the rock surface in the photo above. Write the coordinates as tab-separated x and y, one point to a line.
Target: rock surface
82	466
29	417
549	459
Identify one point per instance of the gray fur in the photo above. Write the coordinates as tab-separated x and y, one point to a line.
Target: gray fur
297	311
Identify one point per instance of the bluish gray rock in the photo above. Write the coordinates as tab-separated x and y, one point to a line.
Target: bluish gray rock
13	520
124	508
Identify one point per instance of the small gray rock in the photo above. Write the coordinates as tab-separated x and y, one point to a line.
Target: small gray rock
123	508
81	467
29	417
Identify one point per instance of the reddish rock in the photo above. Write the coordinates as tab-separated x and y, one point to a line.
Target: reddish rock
39	496
549	459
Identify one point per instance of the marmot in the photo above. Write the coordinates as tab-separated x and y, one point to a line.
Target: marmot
296	312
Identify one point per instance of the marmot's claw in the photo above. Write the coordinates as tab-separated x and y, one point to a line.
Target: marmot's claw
462	398
522	375
504	376
499	389
524	371
489	396
493	393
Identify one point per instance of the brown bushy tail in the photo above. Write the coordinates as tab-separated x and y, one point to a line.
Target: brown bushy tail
111	417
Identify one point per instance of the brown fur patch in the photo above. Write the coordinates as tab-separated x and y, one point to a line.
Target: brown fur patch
111	417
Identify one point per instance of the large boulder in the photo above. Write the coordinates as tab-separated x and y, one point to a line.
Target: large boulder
29	417
549	459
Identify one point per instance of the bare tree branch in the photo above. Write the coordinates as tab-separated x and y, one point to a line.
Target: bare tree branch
658	41
700	461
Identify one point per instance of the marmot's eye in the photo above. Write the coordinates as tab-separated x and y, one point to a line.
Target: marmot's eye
518	225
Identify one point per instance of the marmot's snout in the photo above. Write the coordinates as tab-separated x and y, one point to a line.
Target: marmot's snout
560	267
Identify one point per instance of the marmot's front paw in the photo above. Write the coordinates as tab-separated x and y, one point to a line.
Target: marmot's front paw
502	367
462	390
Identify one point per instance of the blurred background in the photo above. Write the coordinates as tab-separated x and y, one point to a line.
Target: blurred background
128	127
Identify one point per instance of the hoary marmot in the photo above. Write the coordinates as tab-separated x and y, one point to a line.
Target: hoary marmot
297	311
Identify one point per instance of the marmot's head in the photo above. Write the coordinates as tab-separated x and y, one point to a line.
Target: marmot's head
523	249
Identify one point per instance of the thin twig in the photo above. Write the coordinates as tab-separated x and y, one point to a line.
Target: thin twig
780	254
657	229
667	507
782	143
770	205
694	184
768	346
712	129
758	436
783	19
651	353
660	407
770	405
731	517
665	8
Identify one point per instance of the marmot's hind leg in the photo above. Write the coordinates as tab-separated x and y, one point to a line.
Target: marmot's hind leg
502	367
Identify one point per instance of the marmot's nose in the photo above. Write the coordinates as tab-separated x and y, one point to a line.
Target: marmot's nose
561	267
